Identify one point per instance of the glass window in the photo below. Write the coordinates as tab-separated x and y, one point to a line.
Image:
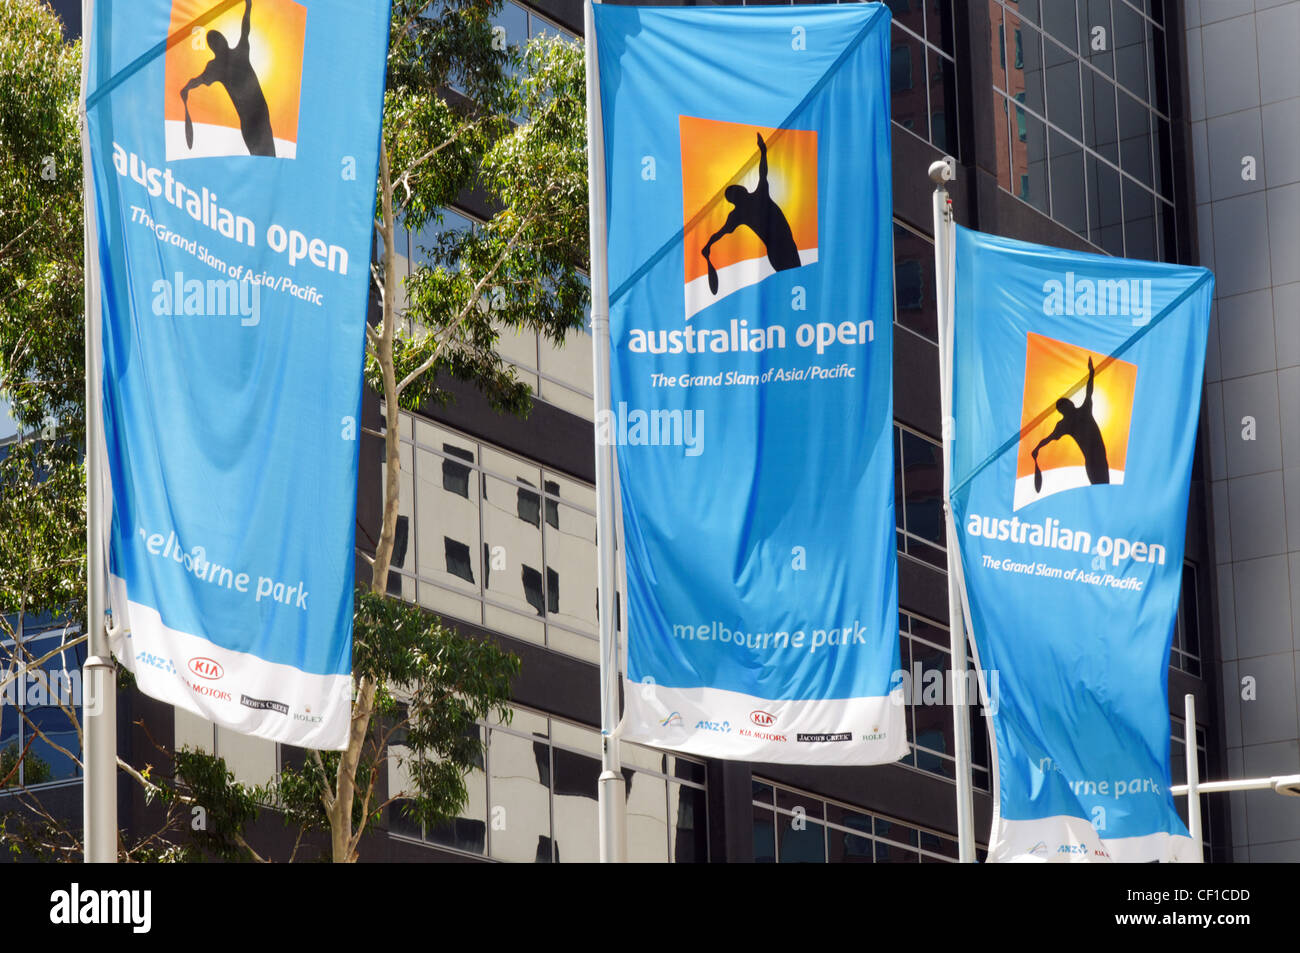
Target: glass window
900	68
455	476
1100	124
943	103
1029	161
1185	653
458	559
552	505
1135	139
1069	201
806	828
529	505
1105	213
920	472
1139	222
1095	35
1130	49
520	791
38	736
687	823
1064	109
1059	23
914	283
764	836
467	507
909	275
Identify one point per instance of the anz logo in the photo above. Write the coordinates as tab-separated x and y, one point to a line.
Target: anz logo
154	661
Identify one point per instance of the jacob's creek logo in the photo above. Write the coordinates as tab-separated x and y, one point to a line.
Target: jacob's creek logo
1074	420
819	737
749	205
233	81
206	668
264	704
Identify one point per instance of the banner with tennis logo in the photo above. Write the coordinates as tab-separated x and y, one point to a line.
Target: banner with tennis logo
747	162
1076	395
234	146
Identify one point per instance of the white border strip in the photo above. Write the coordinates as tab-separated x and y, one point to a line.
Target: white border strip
717	723
241	691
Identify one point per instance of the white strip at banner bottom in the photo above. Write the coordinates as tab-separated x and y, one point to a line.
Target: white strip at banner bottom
234	689
717	723
1072	840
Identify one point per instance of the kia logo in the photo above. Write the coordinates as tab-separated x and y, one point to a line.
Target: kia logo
762	719
206	668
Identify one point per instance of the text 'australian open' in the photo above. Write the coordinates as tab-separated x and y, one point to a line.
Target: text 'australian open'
205	208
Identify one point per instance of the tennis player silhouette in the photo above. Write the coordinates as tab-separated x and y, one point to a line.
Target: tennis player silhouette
762	216
231	68
1078	423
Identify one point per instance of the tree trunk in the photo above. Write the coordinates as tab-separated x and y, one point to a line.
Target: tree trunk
343	840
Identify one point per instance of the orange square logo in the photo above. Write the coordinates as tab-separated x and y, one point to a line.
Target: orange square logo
1074	419
233	78
749	205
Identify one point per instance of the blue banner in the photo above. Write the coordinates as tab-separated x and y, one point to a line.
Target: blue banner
234	146
1076	395
747	161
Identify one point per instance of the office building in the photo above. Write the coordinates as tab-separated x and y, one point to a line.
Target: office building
1115	126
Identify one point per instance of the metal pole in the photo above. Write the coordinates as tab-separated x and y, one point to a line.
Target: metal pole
612	793
941	173
1193	775
1288	785
99	696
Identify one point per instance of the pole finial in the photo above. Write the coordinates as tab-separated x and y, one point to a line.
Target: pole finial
944	170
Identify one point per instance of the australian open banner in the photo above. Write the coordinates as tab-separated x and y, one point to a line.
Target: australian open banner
234	146
1076	395
747	161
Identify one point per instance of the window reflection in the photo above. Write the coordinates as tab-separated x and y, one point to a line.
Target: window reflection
535	799
1080	119
38	737
482	543
805	828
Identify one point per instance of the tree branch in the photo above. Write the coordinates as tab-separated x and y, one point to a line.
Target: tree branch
471	303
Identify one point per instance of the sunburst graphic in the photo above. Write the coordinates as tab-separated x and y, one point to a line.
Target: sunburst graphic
233	79
749	205
1083	444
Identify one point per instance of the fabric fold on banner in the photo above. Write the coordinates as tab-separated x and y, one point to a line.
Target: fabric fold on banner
233	191
1076	396
748	188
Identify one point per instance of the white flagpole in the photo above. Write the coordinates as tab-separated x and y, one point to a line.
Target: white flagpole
99	691
941	173
612	796
1193	775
